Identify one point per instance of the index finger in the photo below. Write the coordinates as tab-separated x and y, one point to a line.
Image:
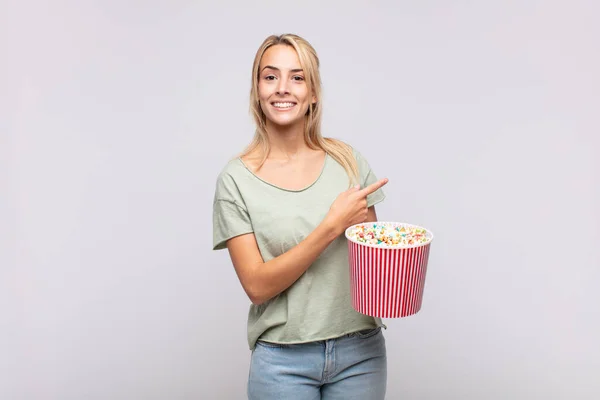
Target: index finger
374	187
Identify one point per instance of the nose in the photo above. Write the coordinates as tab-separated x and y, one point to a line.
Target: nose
282	87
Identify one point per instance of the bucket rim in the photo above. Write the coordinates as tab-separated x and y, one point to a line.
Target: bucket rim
375	246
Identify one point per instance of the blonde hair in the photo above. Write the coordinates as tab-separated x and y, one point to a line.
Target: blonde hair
338	150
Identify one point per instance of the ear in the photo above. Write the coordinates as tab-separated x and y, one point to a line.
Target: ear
314	99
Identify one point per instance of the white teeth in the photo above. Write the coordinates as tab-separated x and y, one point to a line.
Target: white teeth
283	105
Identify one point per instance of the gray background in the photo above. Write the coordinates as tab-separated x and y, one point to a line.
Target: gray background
116	117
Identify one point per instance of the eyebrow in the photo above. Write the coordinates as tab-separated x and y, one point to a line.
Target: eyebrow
277	69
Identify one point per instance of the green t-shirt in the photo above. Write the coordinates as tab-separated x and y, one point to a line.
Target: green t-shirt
318	305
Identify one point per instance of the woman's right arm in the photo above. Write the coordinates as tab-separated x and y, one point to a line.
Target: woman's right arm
264	280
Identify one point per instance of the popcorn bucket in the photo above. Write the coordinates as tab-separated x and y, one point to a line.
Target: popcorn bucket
387	281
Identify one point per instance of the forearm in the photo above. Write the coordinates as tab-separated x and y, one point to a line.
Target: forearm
276	275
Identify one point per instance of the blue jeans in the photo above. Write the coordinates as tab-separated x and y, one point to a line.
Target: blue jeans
350	367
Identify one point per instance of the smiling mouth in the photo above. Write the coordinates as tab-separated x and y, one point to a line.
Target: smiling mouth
283	105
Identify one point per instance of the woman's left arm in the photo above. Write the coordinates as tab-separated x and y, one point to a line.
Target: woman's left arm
371	214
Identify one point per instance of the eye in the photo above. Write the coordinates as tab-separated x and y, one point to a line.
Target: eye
269	77
298	78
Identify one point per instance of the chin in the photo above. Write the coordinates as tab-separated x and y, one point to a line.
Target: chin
286	122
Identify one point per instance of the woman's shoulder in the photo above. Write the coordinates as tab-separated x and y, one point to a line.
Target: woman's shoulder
232	165
230	174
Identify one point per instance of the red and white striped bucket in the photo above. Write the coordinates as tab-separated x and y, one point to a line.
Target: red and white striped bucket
388	282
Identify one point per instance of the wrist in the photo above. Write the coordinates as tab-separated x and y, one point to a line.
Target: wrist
331	229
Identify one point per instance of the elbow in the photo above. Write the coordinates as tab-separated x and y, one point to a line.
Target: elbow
257	291
254	288
256	297
257	301
257	294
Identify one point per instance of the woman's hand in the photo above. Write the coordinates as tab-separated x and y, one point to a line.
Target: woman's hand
350	207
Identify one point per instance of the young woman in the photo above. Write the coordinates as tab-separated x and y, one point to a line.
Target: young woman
281	209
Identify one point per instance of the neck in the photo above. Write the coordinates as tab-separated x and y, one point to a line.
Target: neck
286	141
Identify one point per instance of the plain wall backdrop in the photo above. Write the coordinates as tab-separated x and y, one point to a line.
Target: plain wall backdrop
117	116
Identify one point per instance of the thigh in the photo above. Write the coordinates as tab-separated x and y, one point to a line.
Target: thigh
285	372
361	368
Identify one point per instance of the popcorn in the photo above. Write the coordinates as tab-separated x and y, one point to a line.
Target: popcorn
389	235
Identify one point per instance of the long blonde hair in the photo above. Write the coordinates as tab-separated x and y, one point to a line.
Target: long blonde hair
338	150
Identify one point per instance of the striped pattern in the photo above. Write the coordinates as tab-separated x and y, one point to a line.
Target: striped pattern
387	282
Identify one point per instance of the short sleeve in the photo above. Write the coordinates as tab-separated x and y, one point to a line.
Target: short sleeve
367	177
230	216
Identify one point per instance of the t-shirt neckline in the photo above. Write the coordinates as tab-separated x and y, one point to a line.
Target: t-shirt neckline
282	188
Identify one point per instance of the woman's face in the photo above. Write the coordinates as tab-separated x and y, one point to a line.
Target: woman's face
282	90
